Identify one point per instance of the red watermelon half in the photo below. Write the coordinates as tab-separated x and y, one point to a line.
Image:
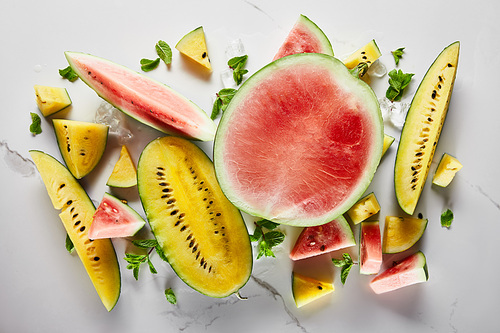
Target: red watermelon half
322	239
305	37
300	141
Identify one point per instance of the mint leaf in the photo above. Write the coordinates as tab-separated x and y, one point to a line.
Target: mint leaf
145	243
266	240
398	81
169	294
68	73
148	65
222	100
69	244
345	264
237	64
164	52
446	218
36	124
398	54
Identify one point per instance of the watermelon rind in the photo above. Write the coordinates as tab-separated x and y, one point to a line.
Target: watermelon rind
127	221
146	104
230	119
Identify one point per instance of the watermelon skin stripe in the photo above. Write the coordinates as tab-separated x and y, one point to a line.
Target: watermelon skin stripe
143	98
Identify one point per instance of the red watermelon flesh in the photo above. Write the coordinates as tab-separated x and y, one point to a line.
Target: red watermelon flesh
321	239
305	37
370	248
411	270
143	98
113	218
299	142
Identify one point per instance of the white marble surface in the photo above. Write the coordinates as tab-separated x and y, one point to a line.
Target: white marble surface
45	289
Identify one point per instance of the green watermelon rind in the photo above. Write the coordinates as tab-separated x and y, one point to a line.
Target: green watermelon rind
253	81
135	218
205	134
320	35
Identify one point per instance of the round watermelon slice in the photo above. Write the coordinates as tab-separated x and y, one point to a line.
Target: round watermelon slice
113	218
300	141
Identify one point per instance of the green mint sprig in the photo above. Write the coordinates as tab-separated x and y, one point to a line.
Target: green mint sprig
222	100
266	239
136	260
36	124
237	64
398	81
447	218
148	64
398	54
164	52
170	296
68	73
345	264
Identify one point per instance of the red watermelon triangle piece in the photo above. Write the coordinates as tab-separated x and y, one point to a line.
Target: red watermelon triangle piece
321	239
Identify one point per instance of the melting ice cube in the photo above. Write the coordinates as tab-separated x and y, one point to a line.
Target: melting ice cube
394	112
109	115
377	69
235	48
227	78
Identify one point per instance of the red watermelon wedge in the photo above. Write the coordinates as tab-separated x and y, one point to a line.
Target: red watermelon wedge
305	37
411	270
370	247
322	239
113	218
300	141
143	98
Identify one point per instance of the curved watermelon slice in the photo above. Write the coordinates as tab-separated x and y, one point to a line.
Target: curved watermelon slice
305	37
143	98
411	270
300	141
113	218
322	239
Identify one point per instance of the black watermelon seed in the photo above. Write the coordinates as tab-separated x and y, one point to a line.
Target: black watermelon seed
96	258
82	228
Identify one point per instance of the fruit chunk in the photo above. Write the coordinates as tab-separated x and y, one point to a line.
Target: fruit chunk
306	289
143	98
321	239
82	144
51	99
446	170
422	128
367	54
203	236
113	218
411	270
370	248
98	256
194	46
388	140
401	233
303	159
124	172
305	37
364	208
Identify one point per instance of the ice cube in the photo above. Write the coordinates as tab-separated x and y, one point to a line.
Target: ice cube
377	69
227	78
235	48
108	115
398	114
386	107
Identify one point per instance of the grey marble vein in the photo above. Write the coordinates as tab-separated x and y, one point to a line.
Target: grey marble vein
276	295
16	162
